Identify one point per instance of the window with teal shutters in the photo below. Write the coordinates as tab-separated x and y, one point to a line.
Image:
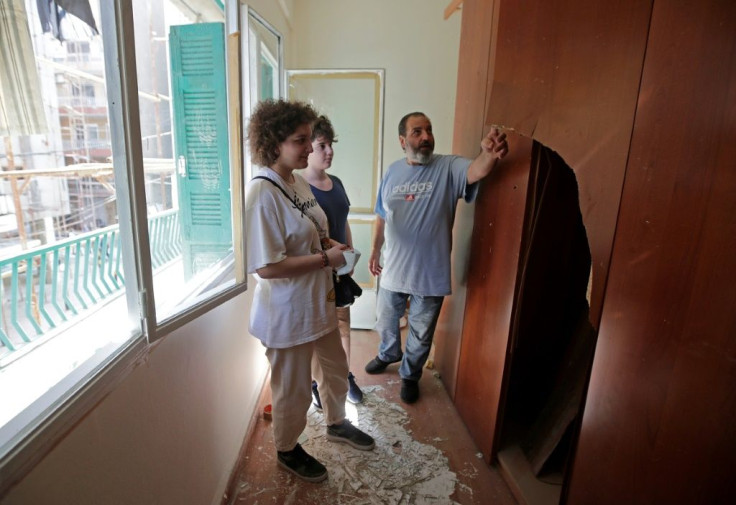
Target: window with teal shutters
199	103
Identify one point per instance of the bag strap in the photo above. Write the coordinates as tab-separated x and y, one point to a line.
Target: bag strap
278	186
320	231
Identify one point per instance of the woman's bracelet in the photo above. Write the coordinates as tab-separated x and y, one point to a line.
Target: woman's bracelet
325	258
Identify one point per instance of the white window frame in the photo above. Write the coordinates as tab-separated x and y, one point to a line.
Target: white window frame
249	70
47	423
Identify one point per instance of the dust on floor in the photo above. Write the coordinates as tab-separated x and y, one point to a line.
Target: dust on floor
399	471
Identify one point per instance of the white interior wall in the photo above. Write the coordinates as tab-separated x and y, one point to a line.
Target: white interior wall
408	38
171	432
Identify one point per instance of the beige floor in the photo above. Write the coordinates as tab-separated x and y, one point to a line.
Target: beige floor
423	454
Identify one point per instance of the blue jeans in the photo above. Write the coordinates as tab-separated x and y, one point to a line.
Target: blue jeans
423	314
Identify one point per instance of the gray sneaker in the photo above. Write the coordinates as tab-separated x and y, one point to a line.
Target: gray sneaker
349	434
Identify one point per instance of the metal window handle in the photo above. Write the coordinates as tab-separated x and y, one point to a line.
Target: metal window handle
182	166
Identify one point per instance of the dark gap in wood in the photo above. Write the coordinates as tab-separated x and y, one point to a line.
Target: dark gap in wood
552	339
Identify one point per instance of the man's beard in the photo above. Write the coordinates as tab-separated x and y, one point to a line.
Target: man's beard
419	156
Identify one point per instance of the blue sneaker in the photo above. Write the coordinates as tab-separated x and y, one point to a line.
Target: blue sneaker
355	395
315	396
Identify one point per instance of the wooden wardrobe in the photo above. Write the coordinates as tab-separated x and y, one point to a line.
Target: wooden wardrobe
599	338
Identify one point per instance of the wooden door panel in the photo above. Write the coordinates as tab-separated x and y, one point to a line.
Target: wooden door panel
499	215
473	78
661	409
567	74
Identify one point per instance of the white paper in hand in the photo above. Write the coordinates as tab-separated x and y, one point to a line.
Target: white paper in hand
351	258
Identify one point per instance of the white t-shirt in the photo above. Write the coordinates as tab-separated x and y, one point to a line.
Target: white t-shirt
290	311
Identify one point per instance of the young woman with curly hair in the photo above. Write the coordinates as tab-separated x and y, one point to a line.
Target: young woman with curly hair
293	312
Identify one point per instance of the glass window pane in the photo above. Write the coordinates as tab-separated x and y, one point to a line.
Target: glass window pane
184	127
264	67
60	256
362	232
264	47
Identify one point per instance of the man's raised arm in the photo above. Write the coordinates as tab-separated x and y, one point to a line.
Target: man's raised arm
493	148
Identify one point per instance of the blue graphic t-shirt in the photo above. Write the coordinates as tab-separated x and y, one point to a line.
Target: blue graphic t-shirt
418	203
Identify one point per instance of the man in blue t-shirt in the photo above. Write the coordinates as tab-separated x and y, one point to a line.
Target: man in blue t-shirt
415	211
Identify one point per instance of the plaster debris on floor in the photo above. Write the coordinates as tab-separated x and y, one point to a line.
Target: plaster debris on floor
399	471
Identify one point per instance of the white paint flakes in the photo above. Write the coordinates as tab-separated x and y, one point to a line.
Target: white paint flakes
399	471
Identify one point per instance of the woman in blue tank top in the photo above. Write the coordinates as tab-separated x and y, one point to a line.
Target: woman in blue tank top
330	193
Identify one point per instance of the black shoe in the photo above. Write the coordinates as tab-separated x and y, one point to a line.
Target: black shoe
315	396
409	390
355	395
349	434
301	464
377	365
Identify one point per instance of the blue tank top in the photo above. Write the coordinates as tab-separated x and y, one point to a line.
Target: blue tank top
336	204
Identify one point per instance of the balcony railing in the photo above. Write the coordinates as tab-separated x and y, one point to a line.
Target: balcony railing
50	286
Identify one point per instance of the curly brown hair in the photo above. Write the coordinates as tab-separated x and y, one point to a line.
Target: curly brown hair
322	127
271	122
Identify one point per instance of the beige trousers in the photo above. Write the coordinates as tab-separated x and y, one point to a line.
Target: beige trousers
343	324
292	370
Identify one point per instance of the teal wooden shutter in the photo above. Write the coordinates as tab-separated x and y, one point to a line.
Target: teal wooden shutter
199	102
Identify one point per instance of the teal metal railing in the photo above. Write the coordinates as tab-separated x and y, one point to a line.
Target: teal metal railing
45	287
